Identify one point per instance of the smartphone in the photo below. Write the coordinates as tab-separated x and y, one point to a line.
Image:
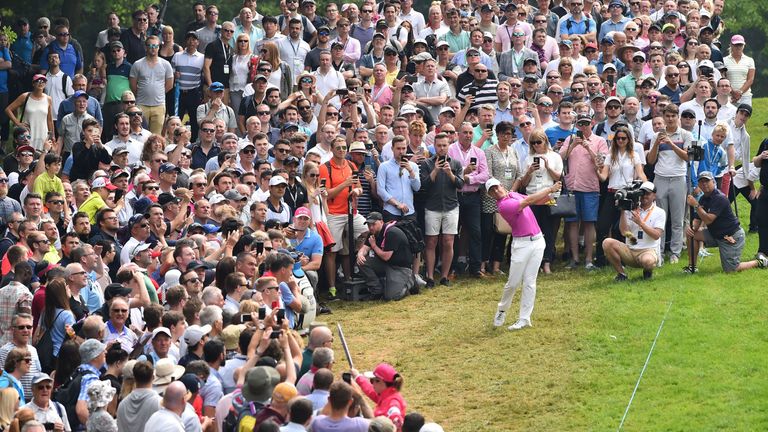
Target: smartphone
280	316
441	159
245	318
536	160
290	228
369	146
473	161
262	313
489	127
347	377
580	134
49	426
342	92
119	194
610	80
404	159
410	79
189	209
285	224
322	182
275	305
259	248
346	124
275	334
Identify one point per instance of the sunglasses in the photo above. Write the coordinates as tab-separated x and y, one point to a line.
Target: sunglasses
56	202
306	81
120	310
313	175
481	71
248	151
153	46
539	21
524	124
545	104
340	148
282	150
515	85
553	77
27	154
208	130
135	114
154	188
262	113
577	89
613	107
518	34
129	102
537	142
141	19
323	33
228	30
24	327
3	181
199	184
63	34
193	280
673	75
243	41
334	114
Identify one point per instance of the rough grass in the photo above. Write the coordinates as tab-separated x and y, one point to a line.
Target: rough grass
576	369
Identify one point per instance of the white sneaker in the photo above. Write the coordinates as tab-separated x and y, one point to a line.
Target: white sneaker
420	281
520	324
673	259
498	321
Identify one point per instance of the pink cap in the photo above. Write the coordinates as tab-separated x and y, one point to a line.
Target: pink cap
737	40
302	211
103	182
384	372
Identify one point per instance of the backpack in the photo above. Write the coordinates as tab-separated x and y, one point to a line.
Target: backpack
67	395
44	346
242	415
412	232
569	23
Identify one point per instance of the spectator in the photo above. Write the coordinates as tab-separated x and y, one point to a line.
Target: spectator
151	78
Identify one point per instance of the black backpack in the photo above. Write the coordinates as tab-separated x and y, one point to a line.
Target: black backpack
68	392
412	232
243	412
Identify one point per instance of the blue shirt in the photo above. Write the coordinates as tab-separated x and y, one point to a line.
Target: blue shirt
58	331
23	47
87	380
310	245
68	106
287	297
4	55
609	26
714	161
586	25
557	133
390	184
91	295
70	58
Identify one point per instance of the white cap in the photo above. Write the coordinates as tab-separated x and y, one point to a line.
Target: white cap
277	180
407	109
216	199
491	183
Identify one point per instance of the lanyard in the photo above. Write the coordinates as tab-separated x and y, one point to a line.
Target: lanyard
504	155
225	48
648	215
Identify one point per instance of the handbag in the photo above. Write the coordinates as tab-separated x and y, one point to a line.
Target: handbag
324	231
565	204
44	345
500	225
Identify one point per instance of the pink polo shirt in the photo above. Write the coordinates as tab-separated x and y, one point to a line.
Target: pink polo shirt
582	176
523	223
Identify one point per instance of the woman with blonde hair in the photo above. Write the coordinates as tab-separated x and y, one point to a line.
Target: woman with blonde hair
9	403
565	69
241	68
316	194
545	167
280	74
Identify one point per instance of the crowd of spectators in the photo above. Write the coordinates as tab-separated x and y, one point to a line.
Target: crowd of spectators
181	206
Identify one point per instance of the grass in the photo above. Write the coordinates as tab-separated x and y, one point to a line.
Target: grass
576	369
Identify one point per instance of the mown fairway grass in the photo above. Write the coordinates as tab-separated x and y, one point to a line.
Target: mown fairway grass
576	369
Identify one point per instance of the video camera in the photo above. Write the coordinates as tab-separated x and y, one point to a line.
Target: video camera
628	197
695	152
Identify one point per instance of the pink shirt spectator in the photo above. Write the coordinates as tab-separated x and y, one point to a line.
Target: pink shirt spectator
523	223
352	50
382	95
582	176
504	34
480	175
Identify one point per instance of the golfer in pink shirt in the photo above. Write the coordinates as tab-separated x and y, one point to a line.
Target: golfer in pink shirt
527	249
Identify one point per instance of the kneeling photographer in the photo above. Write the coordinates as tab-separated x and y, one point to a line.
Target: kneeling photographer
642	224
722	229
386	254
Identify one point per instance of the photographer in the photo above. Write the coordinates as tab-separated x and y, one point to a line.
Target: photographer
385	254
722	229
642	228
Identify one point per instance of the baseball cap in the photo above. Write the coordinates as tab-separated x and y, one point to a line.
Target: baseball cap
609	66
706	63
384	372
607	40
530	77
23	148
486	8
290	125
407	109
194	333
291	160
566	42
639	54
583	118
648	186
161	330
439	44
668	26
138	249
302	212
167	166
746	108
39	77
40	377
447	109
421	41
381	35
491	183
277	180
374	217
706	175
103	182
234	195
167	198
217	86
381	23
191	34
737	40
196	264
80	93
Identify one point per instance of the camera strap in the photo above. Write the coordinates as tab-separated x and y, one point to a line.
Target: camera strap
648	215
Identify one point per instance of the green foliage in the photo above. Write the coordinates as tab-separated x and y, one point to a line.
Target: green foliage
9	33
747	17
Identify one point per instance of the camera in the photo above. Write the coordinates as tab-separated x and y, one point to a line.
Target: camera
628	197
695	152
706	71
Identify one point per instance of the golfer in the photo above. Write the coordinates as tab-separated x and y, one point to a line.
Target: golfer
527	249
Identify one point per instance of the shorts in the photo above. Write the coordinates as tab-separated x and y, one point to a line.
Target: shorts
338	226
587	204
631	257
730	254
446	222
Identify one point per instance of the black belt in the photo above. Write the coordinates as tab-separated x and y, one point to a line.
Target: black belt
468	193
190	91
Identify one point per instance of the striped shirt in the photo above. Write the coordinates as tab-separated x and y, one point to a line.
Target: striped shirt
737	71
485	94
190	66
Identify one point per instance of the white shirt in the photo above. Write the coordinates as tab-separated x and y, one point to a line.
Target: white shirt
623	172
333	80
416	19
55	91
164	421
294	52
133	146
657	219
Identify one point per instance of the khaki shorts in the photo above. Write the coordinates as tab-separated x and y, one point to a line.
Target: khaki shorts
448	221
338	226
631	257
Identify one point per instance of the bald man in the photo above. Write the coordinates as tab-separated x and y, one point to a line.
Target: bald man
320	336
168	418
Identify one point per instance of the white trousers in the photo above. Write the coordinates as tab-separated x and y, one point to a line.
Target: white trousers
523	267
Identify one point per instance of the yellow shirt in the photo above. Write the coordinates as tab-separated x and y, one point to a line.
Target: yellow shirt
52	256
46	183
92	205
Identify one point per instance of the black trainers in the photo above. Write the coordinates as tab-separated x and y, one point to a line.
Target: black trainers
445	282
620	277
647	274
690	269
323	309
430	283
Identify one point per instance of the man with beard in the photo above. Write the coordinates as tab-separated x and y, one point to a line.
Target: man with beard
123	138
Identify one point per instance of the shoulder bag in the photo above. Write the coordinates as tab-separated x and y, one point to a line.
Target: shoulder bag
565	204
